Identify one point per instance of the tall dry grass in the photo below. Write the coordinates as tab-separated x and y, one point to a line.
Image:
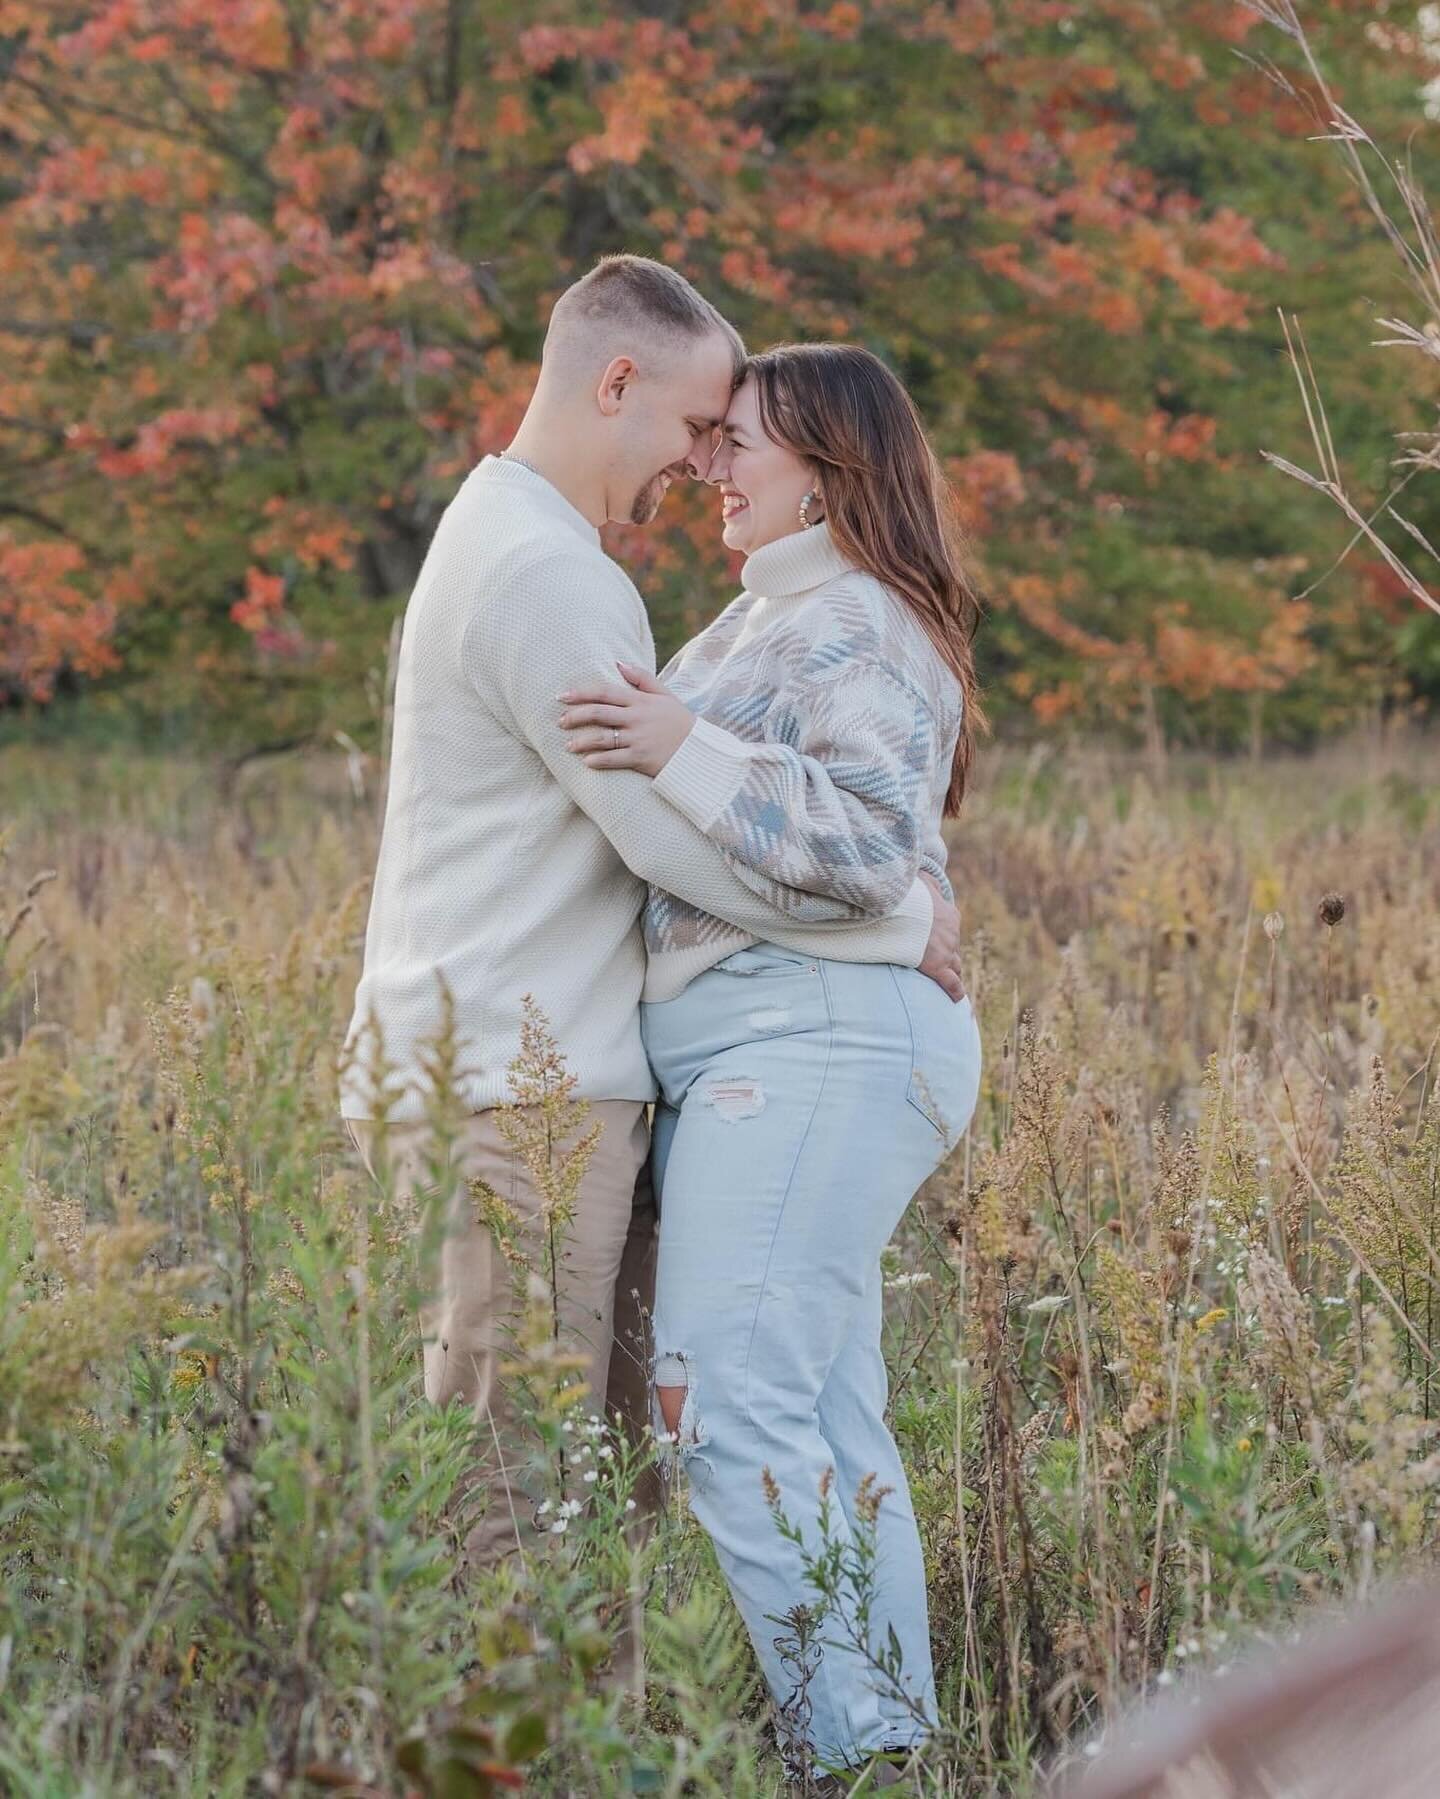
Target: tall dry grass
1162	1332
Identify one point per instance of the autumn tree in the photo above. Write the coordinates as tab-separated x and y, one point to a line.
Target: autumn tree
274	274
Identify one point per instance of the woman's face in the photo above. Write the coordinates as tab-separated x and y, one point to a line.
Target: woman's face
761	482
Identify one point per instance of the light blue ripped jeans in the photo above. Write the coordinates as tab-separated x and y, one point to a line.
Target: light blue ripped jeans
802	1104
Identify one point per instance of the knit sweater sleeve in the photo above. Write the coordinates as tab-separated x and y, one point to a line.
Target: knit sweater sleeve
835	811
565	622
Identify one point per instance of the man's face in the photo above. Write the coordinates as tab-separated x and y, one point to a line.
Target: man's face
674	424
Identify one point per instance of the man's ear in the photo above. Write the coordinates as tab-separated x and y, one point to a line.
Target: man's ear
619	373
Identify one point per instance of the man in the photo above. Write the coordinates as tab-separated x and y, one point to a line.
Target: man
509	869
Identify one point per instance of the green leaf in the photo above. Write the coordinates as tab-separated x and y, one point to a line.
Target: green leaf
526	1737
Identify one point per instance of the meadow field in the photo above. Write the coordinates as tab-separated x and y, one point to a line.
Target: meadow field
1162	1332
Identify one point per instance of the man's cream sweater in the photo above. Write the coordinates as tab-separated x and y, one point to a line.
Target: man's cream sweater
507	867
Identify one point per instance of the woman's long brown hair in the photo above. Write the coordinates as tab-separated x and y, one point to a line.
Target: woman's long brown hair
888	504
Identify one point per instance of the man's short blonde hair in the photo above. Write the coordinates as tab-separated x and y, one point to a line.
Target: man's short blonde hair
624	292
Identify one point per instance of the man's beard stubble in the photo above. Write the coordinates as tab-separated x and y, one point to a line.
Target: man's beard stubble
648	501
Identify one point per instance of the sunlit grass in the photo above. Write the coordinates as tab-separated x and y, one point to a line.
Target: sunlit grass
1162	1333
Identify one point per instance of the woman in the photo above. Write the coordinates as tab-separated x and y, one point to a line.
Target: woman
819	729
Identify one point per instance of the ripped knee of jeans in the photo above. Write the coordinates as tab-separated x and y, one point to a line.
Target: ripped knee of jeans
679	1428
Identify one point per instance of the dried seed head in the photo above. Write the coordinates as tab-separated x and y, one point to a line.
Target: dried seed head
1331	909
868	1497
1274	925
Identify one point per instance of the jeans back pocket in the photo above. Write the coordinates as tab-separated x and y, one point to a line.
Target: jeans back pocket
944	1060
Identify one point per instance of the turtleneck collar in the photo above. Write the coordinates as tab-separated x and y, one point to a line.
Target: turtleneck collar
794	564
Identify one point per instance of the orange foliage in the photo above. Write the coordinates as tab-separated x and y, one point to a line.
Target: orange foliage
47	620
271	279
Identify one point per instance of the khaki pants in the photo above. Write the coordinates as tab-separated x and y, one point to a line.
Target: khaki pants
606	1282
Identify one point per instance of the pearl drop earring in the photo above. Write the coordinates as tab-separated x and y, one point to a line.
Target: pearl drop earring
805	519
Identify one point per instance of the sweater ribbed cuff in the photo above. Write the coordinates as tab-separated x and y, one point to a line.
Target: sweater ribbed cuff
918	910
704	774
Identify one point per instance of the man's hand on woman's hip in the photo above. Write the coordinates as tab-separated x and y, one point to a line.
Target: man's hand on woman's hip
942	953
